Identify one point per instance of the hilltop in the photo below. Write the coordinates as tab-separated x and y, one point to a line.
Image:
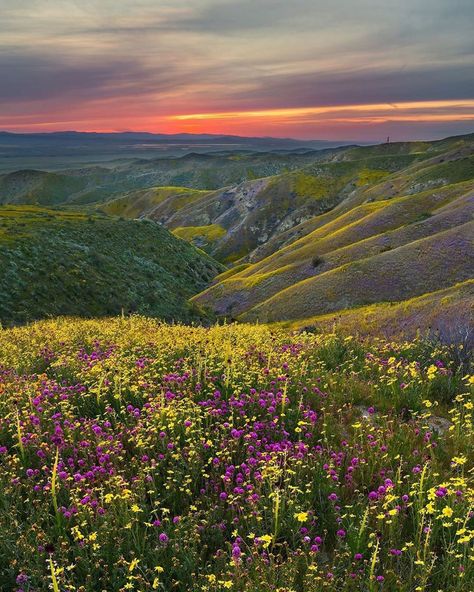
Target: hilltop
57	262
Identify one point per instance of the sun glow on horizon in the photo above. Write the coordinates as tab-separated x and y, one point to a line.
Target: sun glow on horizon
389	108
323	121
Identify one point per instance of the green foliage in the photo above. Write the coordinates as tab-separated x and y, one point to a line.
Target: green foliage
66	262
142	203
370	177
200	234
310	186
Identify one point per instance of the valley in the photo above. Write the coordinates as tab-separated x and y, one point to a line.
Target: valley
285	236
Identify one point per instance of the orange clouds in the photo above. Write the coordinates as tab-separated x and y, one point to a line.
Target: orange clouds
414	111
330	122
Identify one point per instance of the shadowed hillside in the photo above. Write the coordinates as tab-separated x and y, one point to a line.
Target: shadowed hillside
431	172
61	262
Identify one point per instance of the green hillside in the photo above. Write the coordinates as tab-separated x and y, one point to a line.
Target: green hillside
259	216
437	261
32	187
365	231
146	202
57	262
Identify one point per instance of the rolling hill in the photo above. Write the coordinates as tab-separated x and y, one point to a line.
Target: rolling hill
393	238
237	221
98	184
57	262
250	220
305	233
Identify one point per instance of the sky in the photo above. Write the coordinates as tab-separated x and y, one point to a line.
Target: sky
313	69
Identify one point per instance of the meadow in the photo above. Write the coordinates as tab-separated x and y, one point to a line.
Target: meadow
136	455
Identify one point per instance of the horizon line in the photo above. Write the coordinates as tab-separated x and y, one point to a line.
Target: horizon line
223	135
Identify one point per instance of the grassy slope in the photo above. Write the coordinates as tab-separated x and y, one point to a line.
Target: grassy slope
364	221
302	186
203	237
421	266
317	215
363	232
448	312
63	262
38	187
406	234
145	202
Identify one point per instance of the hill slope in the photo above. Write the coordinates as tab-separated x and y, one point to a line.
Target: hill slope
61	262
346	235
448	313
398	237
238	220
240	204
411	270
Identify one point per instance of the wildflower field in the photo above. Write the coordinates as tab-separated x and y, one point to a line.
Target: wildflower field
141	456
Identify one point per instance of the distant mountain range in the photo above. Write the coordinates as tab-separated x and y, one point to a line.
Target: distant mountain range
59	150
184	137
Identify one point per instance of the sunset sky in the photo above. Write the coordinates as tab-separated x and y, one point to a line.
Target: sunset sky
316	69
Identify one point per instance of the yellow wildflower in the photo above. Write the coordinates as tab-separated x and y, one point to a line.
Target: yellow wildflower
301	516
